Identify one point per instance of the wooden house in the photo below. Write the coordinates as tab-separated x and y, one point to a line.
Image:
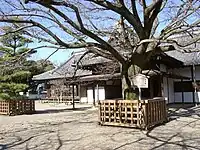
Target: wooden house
173	75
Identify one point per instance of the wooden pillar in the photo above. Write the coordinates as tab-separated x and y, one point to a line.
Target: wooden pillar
168	90
79	91
97	86
73	97
93	89
193	80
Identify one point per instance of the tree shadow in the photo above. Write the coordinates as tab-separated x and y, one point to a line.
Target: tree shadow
167	141
128	143
47	111
40	130
182	110
175	112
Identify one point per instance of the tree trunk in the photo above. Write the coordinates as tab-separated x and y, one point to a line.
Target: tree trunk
129	91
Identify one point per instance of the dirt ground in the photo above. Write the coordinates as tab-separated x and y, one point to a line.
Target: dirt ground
60	128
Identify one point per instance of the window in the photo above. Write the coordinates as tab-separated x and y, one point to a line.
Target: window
185	86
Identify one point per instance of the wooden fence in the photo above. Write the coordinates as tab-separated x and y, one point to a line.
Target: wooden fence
133	113
63	99
17	107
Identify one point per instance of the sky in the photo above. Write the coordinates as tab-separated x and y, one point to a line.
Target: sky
58	58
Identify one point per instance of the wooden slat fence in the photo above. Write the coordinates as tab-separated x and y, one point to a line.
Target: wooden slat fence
17	107
132	113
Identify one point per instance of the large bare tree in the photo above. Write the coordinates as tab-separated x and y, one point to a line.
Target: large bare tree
129	31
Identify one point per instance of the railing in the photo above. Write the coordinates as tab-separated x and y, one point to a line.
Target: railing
63	99
17	107
132	113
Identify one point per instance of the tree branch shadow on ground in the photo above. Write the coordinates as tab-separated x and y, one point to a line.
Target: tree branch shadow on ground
43	129
175	112
182	110
47	111
167	141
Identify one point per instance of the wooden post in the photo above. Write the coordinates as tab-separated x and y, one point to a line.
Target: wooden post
140	93
115	115
144	107
109	113
73	97
132	113
168	93
93	89
138	119
194	93
100	114
79	92
104	112
125	112
97	92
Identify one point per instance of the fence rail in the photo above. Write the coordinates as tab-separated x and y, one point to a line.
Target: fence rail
63	99
17	107
132	113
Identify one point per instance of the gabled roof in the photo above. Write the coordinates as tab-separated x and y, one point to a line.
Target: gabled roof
190	54
66	70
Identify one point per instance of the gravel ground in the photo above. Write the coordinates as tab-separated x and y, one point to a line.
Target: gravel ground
60	128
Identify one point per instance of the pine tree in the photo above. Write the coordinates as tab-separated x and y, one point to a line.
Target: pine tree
14	71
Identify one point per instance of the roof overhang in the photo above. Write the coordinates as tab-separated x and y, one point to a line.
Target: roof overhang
162	73
103	77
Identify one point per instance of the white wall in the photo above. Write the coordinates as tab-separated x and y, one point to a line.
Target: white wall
188	96
90	94
171	90
185	72
101	93
83	94
178	97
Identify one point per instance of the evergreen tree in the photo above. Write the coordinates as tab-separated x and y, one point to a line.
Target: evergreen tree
14	69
